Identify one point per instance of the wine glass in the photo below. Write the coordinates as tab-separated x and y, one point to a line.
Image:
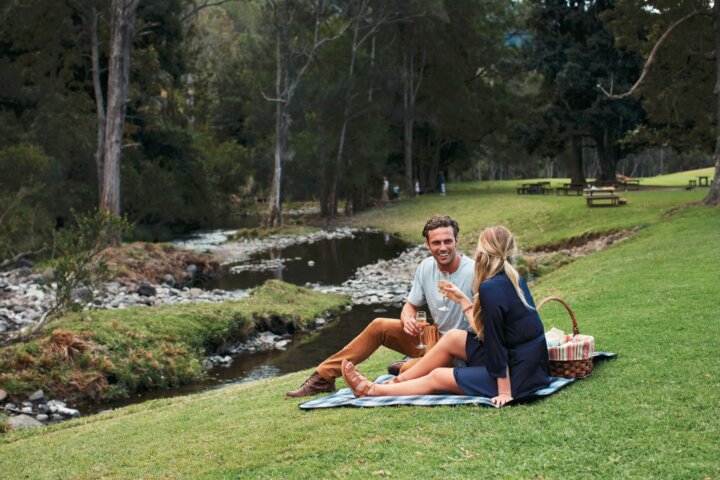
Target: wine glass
444	279
421	317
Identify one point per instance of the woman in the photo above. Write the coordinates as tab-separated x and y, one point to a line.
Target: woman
507	356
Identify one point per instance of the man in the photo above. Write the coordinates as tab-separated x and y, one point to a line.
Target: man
441	238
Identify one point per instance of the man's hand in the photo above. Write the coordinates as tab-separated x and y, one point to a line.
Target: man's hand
410	325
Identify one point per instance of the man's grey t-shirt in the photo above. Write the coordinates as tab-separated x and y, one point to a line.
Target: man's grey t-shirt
425	290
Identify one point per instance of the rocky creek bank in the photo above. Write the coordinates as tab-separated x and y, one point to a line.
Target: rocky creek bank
36	411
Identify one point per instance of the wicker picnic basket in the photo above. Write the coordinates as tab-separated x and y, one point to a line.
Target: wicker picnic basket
574	358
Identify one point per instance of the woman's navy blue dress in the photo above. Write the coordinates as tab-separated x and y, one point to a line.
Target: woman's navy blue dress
514	337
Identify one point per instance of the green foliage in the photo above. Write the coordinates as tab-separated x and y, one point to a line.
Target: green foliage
572	48
681	111
24	218
77	261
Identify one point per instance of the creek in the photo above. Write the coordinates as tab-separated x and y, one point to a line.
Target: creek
323	262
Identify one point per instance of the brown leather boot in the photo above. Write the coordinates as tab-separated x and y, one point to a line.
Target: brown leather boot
312	386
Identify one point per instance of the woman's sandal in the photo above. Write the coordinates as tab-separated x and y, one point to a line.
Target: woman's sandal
358	383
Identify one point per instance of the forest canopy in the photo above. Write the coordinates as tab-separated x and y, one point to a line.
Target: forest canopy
231	102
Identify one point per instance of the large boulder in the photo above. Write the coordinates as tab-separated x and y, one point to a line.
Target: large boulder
20	422
146	290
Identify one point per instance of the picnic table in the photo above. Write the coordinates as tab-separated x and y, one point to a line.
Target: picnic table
606	196
628	184
534	188
568	188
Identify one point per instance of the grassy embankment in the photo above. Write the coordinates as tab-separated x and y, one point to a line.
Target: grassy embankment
651	413
105	354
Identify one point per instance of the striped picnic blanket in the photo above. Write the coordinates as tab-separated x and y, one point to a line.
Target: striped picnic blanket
345	398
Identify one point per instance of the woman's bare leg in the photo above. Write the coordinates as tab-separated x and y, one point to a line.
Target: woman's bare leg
440	380
452	344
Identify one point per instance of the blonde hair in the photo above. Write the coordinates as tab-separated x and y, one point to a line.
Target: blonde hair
495	248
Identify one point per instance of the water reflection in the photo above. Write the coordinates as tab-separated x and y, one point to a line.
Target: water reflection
329	262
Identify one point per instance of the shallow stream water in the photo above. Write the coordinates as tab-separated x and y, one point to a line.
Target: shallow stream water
334	261
302	353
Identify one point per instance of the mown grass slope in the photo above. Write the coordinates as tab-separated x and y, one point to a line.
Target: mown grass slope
651	413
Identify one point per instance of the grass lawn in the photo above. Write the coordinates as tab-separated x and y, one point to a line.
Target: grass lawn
679	179
534	219
651	413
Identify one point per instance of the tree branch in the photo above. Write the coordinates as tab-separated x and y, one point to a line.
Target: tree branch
270	99
9	261
197	8
650	60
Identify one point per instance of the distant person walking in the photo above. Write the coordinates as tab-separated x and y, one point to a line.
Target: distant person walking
417	187
395	192
384	198
442	184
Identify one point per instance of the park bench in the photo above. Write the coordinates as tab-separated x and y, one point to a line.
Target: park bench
608	197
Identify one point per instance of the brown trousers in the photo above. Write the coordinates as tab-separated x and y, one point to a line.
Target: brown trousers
387	332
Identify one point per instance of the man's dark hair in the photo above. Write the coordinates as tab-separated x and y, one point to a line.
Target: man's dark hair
440	221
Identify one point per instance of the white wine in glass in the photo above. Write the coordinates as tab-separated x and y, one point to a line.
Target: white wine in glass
421	317
445	278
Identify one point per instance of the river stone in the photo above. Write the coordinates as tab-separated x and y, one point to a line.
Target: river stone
319	322
41	417
82	294
48	274
23	272
23	421
37	396
146	290
191	269
169	279
68	412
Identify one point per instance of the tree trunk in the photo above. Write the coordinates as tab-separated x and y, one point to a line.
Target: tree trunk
282	66
607	157
435	162
99	100
346	118
577	175
121	36
408	105
713	196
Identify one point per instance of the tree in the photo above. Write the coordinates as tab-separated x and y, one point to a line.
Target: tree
288	74
571	48
664	29
121	38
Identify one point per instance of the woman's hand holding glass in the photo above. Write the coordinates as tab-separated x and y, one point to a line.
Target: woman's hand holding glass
449	290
